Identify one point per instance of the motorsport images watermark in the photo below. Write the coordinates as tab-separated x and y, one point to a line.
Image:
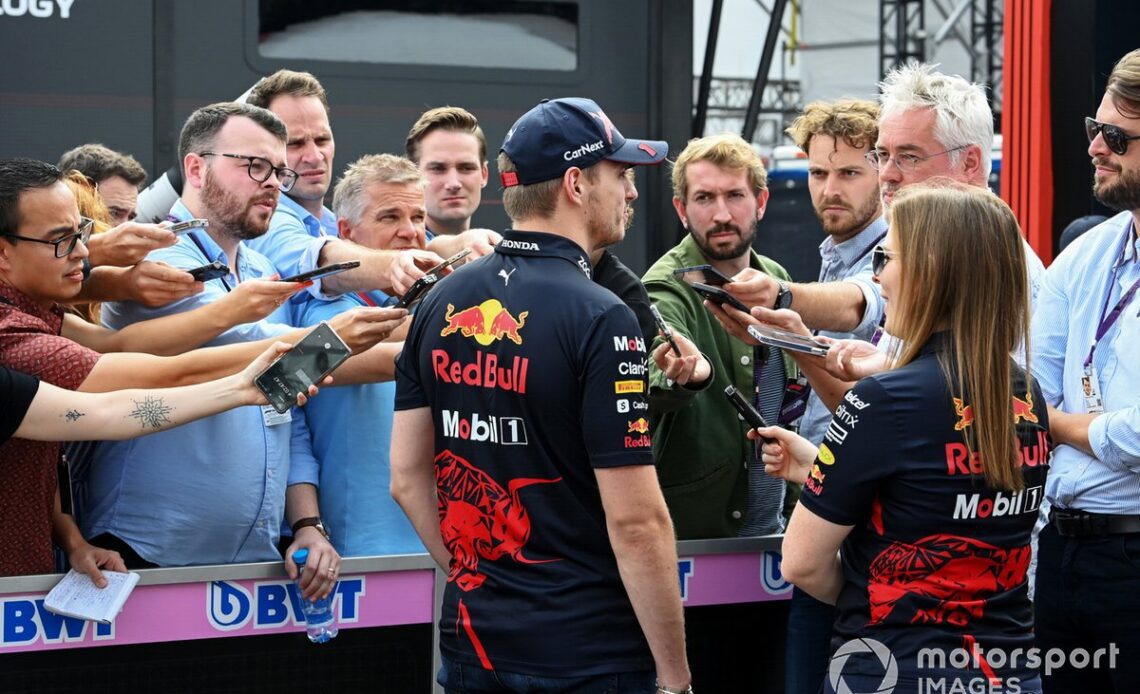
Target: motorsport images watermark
976	664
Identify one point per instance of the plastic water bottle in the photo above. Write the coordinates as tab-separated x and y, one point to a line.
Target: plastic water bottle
320	622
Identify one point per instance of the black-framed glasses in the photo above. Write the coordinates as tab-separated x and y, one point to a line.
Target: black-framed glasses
64	245
907	162
879	258
1113	135
260	169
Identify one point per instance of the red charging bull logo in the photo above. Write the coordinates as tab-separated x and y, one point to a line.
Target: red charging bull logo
1022	410
487	322
942	579
479	519
641	426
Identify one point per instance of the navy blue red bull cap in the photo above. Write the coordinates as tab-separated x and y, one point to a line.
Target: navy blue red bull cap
561	133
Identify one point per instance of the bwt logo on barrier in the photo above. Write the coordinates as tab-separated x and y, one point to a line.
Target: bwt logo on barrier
26	621
230	606
773	581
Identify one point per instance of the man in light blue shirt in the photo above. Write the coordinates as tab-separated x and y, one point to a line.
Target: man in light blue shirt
303	232
214	491
379	204
1084	349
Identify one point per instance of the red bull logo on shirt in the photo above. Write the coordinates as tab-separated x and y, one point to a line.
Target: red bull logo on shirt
641	426
488	322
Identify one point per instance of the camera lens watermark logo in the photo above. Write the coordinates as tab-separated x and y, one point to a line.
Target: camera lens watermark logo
860	647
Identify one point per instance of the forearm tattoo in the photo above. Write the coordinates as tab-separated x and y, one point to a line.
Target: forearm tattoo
73	415
151	413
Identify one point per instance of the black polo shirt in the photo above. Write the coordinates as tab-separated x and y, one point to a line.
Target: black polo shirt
535	375
936	558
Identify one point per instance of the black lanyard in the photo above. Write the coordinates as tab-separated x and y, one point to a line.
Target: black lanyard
193	237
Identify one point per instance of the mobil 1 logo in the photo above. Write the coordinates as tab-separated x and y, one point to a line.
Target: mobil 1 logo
506	431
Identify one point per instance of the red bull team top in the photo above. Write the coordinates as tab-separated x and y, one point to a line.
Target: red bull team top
535	375
936	559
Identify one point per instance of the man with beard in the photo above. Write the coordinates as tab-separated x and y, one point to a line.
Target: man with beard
215	490
303	232
705	463
1086	329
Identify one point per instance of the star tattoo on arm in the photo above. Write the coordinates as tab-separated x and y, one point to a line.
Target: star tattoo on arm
151	412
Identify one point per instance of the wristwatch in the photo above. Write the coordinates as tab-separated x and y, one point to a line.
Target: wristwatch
312	522
784	296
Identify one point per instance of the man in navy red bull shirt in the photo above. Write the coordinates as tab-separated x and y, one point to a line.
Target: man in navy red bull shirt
521	450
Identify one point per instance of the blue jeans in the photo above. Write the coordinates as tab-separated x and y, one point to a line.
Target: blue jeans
459	678
808	647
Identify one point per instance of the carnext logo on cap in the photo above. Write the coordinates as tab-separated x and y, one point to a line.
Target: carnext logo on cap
582	151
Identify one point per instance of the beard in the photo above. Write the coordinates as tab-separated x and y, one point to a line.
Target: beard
861	217
603	230
234	217
1123	194
741	247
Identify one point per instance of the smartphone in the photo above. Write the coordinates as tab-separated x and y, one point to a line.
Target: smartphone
786	340
663	327
718	296
189	225
212	271
421	286
315	356
334	269
747	412
705	274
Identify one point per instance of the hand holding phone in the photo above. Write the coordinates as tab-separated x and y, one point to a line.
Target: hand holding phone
783	339
210	271
718	296
313	358
664	329
421	286
325	271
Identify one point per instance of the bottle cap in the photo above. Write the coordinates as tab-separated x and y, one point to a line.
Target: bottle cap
300	557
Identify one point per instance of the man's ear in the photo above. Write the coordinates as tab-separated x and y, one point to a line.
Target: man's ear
572	183
486	173
344	228
680	207
972	164
5	255
761	203
194	170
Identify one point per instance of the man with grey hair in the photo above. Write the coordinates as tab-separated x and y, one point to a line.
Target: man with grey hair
379	204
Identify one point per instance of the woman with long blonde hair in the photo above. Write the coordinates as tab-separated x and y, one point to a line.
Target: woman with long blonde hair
918	506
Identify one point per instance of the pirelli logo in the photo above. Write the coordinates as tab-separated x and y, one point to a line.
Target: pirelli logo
637	386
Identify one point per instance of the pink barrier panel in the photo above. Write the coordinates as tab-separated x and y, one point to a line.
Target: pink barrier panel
724	579
185	611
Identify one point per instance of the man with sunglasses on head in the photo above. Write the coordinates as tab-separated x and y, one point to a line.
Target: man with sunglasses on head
215	491
1086	328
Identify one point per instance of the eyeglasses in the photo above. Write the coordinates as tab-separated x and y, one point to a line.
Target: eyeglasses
65	244
907	163
1114	137
879	258
260	169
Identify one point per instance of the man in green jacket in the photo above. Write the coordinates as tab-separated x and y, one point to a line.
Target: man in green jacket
708	469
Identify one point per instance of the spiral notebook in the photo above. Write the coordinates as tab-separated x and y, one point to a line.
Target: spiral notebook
77	596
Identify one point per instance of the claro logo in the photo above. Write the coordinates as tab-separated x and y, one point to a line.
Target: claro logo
36	8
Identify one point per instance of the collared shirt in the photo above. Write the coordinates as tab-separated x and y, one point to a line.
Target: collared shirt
30	341
849	261
535	376
294	242
351	428
212	491
1077	286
